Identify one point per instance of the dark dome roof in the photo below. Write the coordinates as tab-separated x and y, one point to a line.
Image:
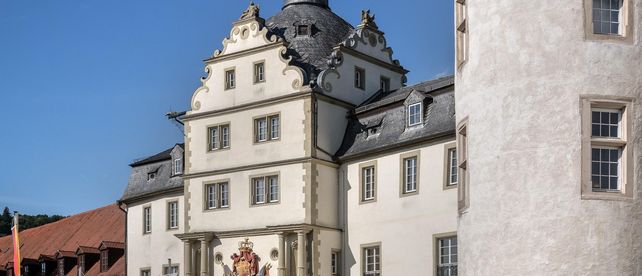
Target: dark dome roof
328	30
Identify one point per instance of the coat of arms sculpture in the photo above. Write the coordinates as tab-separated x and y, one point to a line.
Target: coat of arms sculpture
247	263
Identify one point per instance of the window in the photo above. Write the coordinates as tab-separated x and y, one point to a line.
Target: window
368	183
217	196
372	261
81	265
151	176
219	137
61	267
335	263
384	84
267	128
230	79
170	270
451	167
607	158
259	72
43	268
265	189
172	215
104	261
606	16
462	168
147	220
178	166
410	175
447	256
461	32
360	78
415	114
145	272
303	30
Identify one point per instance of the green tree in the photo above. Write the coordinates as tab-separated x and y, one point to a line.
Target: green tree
5	222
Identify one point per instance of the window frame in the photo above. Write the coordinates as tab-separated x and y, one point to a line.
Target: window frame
218	185
227	83
421	114
259	77
171	227
267	189
449	165
335	262
626	28
403	191
220	137
461	33
360	81
463	200
624	141
362	184
178	162
147	223
437	249
269	131
364	257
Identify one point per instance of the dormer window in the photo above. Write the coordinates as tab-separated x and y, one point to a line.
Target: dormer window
178	166
415	114
372	131
151	176
303	30
104	261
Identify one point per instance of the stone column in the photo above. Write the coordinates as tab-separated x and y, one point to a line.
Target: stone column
300	258
187	258
204	253
281	267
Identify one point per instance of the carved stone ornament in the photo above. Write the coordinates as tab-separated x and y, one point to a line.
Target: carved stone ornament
251	12
368	20
246	263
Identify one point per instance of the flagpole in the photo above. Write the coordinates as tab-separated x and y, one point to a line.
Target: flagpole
16	245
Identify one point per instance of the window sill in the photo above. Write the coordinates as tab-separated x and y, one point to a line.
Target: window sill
257	205
450	187
607	196
409	194
217	209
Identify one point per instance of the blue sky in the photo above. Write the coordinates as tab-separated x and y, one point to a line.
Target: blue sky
85	84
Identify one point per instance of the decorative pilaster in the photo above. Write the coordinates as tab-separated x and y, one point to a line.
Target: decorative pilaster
281	267
187	257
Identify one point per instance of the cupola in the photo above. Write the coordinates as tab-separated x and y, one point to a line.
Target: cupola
322	3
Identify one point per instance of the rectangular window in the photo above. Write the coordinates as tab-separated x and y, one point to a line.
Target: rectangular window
147	220
415	114
265	189
230	79
461	36
303	30
104	261
607	16
607	157
410	175
447	256
384	84
217	196
372	261
178	166
145	272
219	137
170	270
452	167
368	183
462	166
335	263
360	78
259	72
172	215
267	128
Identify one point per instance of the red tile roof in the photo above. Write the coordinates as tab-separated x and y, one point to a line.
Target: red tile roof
88	229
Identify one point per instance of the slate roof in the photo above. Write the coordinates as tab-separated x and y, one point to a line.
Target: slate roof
387	111
310	53
161	163
87	230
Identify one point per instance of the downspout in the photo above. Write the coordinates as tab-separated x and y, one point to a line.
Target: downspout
120	206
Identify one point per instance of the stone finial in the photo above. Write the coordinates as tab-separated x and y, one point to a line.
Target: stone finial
368	20
251	12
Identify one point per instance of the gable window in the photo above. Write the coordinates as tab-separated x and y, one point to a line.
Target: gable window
219	137
178	166
462	166
360	78
368	183
147	220
217	195
172	215
267	128
230	79
447	256
265	189
384	84
259	72
303	30
335	261
372	261
461	32
104	260
415	114
410	175
607	155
